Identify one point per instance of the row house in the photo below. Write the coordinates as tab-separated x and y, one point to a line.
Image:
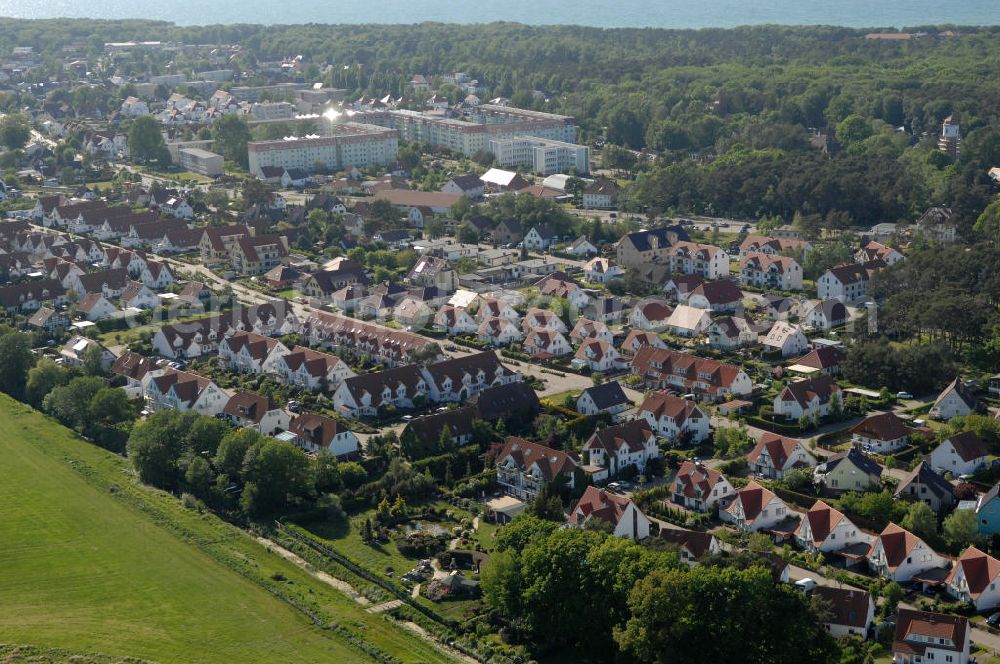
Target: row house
312	370
523	468
771	271
246	352
29	296
459	378
774	246
614	449
708	379
132	367
183	391
109	283
364	395
676	419
202	336
637	339
151	234
386	345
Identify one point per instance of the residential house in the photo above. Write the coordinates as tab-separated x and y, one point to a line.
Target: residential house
922	637
94	307
586	328
679	288
542	319
721	296
884	433
75	351
851	611
498	331
458	378
508	233
825	360
637	339
607	398
320	434
849	471
686	321
955	400
923	484
616	448
29	296
827	315
248	410
542	343
692	546
988	511
132	367
541	237
247	352
468	185
558	284
824	529
601	194
311	369
597	355
601	271
581	247
784	338
755	508
344	273
704	260
676	419
514	401
876	251
774	456
811	397
730	333
497	308
156	275
899	555
366	394
49	320
433	271
138	296
774	246
960	454
686	373
524	467
454	320
385	345
698	487
847	282
180	390
620	513
648	246
428	429
650	315
770	271
975	578
259	254
937	224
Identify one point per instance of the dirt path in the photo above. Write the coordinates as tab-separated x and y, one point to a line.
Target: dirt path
385	606
332	581
417	629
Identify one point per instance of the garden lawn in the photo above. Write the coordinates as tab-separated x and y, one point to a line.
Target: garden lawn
93	562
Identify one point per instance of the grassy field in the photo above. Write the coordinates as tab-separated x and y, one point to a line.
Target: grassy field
92	562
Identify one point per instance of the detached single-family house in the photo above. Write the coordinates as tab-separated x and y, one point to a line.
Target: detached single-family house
899	555
825	529
876	251
586	328
975	578
607	398
955	401
926	485
650	315
812	397
540	237
730	333
318	433
248	410
582	247
184	391
850	471
720	296
988	511
692	545
637	339
755	508
601	271
827	315
773	456
698	487
852	611
94	307
624	517
454	321
498	331
621	446
961	454
597	355
674	418
687	321
542	319
785	338
884	433
74	352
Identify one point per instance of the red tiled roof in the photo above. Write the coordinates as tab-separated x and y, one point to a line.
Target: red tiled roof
779	448
550	462
884	426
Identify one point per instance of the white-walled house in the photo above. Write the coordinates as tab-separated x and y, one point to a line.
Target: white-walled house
810	397
755	508
624	517
180	390
621	446
852	611
318	433
825	529
955	401
674	418
607	398
923	637
775	455
884	433
975	578
597	354
785	338
698	487
898	555
961	454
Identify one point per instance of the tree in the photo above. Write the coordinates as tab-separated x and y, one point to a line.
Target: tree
500	579
145	142
232	451
254	192
893	594
231	134
961	530
93	360
921	521
729	615
277	477
70	404
44	377
15	361
109	407
465	233
14	131
156	446
853	129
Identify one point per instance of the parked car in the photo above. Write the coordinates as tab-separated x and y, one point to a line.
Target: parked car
903	395
805	585
994	620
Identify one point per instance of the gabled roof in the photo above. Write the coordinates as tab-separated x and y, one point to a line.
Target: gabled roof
505	400
858	459
924	475
697	543
597	503
720	291
607	395
753	498
897	543
550	462
247	406
884	426
779	449
320	430
849	605
979	569
824	357
632	434
132	365
969	446
803	391
912	627
822	520
694	480
963	393
659	404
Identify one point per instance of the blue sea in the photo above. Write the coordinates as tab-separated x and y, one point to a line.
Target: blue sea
618	13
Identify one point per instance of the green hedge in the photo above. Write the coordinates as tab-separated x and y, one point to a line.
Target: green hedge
776	427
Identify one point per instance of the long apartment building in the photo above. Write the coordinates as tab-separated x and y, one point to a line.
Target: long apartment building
350	144
473	134
542	155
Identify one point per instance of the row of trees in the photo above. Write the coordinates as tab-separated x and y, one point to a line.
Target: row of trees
609	597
